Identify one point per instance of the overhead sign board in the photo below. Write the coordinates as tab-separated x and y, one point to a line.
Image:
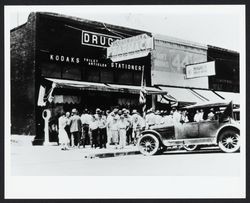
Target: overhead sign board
200	70
97	39
130	48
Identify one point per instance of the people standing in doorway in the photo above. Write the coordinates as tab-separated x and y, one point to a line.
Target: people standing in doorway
75	127
62	135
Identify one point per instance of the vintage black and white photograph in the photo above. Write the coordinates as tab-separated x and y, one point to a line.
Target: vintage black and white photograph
134	97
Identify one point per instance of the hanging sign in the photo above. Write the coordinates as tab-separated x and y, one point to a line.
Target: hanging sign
130	48
200	70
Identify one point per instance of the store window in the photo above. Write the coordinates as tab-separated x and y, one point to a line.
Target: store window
137	78
125	78
51	70
107	76
71	72
93	75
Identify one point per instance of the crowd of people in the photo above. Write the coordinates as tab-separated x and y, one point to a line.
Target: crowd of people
119	127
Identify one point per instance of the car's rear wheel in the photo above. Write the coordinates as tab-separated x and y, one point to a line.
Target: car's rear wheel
190	147
229	141
148	144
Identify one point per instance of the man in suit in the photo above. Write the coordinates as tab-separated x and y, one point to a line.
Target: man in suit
75	127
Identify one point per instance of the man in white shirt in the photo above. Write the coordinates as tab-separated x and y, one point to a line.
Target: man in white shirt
85	119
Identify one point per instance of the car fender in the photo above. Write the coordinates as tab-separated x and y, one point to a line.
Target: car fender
158	135
226	127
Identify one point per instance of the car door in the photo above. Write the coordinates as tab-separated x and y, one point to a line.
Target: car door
208	128
188	130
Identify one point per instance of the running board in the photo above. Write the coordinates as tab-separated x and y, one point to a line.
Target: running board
196	141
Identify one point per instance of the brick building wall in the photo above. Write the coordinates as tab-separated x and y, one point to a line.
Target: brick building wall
22	42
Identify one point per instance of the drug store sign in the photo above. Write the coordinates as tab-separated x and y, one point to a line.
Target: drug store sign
97	39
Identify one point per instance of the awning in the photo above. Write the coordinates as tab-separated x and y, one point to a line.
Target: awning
230	96
182	94
208	95
135	89
61	83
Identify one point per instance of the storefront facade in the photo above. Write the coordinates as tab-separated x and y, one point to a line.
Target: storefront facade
71	54
170	59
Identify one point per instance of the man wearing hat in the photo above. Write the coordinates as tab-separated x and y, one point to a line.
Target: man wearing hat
102	133
114	128
85	119
128	119
123	127
75	127
109	121
138	124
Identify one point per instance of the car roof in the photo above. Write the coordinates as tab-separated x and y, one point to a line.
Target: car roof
207	105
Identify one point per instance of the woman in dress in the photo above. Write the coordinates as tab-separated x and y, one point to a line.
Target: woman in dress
63	136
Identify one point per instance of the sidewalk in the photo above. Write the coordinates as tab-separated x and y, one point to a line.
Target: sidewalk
110	151
19	142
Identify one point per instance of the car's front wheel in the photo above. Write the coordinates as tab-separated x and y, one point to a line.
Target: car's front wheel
148	144
229	141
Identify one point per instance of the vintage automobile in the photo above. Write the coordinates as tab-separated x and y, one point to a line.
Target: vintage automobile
222	131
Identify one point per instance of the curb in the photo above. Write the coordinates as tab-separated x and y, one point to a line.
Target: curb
111	154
